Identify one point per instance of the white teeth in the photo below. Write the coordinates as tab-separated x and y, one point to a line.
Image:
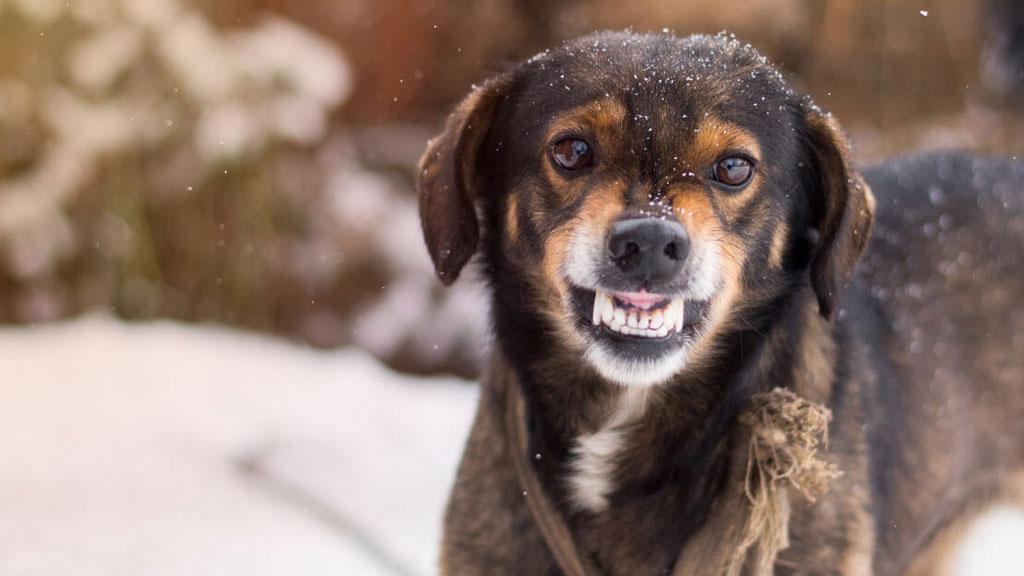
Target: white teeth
668	315
604	308
609	308
620	316
635	322
680	304
656	320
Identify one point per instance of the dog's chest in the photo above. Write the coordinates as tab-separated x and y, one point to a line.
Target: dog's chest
596	454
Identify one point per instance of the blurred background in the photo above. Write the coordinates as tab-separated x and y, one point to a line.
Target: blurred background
222	348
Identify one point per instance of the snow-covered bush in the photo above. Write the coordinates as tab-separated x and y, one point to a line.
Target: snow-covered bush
156	164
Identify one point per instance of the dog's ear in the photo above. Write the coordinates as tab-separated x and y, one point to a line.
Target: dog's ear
448	183
843	210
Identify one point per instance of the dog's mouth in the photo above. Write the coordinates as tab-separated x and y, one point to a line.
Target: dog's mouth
639	319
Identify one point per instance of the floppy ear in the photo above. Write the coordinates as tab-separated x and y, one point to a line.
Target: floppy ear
448	183
844	207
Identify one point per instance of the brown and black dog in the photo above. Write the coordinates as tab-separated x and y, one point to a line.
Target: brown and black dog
668	229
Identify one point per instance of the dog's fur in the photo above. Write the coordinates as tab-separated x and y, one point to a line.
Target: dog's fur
920	357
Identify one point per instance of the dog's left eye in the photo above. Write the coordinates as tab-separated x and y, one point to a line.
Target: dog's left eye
734	171
572	154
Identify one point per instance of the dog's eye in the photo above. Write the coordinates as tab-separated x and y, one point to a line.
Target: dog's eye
572	154
734	171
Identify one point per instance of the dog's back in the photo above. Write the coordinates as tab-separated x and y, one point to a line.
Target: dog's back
940	316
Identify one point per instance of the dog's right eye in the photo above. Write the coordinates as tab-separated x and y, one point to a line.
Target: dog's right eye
572	154
734	171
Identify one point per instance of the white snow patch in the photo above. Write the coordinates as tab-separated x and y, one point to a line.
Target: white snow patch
992	544
120	447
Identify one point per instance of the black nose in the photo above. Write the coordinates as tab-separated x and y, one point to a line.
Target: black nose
648	249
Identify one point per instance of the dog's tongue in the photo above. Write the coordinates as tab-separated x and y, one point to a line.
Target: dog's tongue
643	299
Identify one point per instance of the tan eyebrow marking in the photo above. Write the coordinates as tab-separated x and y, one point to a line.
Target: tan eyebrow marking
714	137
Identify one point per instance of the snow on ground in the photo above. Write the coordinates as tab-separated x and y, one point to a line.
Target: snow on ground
160	449
992	545
164	449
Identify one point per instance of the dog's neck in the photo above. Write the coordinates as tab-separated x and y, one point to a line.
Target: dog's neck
657	457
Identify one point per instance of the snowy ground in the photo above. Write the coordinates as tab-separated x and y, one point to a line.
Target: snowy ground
162	449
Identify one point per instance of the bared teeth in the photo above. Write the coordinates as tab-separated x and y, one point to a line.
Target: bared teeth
620	317
656	320
604	308
608	313
668	318
673	317
657	323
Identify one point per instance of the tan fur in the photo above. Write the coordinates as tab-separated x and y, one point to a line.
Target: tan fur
715	136
602	206
511	232
691	206
778	245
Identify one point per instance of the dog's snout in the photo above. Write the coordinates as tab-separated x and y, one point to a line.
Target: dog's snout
648	249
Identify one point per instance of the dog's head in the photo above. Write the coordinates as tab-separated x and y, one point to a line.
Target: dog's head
638	196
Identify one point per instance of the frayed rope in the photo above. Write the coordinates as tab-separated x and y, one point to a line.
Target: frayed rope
749	524
786	433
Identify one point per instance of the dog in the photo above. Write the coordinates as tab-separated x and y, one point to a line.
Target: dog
667	230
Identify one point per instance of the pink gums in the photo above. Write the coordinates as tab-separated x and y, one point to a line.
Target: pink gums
643	299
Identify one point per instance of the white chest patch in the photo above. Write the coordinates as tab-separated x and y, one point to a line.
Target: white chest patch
593	464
